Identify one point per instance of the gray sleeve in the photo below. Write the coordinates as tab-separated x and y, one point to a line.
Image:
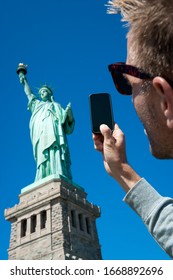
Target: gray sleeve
156	212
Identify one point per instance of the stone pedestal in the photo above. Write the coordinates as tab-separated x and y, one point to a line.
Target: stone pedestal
53	221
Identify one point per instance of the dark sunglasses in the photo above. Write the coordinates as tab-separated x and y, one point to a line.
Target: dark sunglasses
121	82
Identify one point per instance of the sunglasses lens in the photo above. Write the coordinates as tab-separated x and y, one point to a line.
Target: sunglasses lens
121	83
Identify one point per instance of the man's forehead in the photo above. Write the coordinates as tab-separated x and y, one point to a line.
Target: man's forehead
131	57
129	39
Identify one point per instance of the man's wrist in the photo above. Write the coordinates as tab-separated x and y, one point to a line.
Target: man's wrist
127	178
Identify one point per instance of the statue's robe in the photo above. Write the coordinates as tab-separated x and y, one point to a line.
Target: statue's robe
49	125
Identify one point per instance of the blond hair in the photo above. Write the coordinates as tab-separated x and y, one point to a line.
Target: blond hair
151	33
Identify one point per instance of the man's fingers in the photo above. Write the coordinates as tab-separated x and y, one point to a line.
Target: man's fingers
118	134
98	142
106	131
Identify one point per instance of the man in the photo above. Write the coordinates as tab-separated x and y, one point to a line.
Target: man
49	125
148	76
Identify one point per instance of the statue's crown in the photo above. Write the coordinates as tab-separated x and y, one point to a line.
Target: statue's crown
47	87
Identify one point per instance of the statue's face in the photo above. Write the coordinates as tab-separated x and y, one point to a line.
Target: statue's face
44	94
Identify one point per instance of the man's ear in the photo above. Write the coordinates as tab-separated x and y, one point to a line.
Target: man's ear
165	91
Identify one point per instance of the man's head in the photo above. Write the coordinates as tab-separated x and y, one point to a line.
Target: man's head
151	33
150	48
45	93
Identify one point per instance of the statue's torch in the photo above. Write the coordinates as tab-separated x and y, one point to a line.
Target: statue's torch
21	71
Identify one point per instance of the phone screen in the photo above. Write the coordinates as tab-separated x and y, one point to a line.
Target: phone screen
101	111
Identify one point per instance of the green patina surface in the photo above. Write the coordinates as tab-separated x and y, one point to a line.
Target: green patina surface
49	125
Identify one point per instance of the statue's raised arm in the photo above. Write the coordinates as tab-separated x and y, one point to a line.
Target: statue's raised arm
22	71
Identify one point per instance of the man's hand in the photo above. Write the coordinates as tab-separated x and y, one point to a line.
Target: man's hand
113	148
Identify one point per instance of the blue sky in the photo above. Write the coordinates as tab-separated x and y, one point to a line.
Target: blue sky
68	44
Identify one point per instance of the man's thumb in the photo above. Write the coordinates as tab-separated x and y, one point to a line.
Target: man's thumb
105	131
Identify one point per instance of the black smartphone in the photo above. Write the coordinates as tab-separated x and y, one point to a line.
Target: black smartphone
101	111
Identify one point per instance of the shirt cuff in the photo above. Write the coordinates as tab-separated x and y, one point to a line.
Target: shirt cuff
143	199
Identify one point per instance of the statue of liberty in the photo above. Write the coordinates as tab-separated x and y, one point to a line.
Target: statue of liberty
49	124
